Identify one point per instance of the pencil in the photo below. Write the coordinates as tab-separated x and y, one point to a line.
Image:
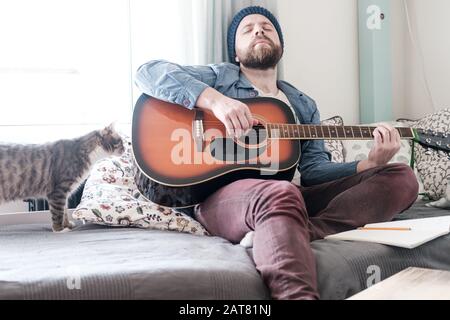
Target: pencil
386	229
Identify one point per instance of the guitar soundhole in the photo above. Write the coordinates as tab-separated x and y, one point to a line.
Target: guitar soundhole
255	139
247	148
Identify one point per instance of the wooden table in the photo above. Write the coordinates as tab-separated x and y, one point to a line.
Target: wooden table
410	284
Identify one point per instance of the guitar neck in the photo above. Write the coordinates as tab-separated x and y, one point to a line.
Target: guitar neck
319	132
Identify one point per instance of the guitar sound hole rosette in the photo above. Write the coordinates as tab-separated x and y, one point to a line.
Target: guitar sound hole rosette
263	144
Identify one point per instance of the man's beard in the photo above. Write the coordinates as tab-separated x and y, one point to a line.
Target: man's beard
264	58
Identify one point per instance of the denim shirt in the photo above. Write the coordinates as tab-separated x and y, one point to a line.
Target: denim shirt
183	85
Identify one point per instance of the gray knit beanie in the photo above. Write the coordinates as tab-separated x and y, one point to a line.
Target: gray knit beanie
238	19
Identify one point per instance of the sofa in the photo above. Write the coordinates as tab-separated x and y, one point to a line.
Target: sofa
125	248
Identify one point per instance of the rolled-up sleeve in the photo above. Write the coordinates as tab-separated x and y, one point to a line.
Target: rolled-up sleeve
173	83
315	165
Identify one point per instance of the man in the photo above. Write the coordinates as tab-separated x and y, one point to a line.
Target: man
285	219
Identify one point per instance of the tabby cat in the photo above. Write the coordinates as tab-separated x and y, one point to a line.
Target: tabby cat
54	170
444	203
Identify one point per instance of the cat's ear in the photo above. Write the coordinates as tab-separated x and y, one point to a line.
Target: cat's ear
110	128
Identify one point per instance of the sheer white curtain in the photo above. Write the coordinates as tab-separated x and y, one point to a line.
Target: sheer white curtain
169	30
195	31
67	66
216	16
64	67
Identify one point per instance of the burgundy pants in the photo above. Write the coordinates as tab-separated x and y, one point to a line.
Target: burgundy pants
287	218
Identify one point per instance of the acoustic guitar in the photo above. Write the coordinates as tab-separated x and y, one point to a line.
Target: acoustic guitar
184	156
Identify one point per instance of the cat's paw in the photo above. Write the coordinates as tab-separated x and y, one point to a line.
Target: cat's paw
65	230
69	225
441	204
60	229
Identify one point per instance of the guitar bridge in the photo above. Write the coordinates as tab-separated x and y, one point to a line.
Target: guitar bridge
198	131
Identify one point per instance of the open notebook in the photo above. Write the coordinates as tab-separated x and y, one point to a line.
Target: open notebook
421	231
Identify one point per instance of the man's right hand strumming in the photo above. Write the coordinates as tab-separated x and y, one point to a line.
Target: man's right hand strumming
235	115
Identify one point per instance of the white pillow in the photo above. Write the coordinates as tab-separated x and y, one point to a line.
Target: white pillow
357	150
111	198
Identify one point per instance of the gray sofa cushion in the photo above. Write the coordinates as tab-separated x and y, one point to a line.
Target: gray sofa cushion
117	263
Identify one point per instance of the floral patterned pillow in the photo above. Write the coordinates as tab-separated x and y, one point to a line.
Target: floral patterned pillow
443	203
335	147
434	166
111	198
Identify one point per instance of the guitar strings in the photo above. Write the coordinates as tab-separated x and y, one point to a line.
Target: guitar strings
301	125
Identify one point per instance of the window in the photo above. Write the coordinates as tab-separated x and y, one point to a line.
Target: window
67	66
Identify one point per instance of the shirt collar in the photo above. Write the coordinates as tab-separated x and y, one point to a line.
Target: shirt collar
289	91
243	82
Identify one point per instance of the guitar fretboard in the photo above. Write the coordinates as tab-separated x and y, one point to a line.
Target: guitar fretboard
316	132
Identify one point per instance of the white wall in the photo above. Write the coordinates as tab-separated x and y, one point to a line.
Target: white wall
321	57
399	34
430	26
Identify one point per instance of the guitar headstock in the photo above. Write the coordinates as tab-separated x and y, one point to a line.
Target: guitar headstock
432	139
